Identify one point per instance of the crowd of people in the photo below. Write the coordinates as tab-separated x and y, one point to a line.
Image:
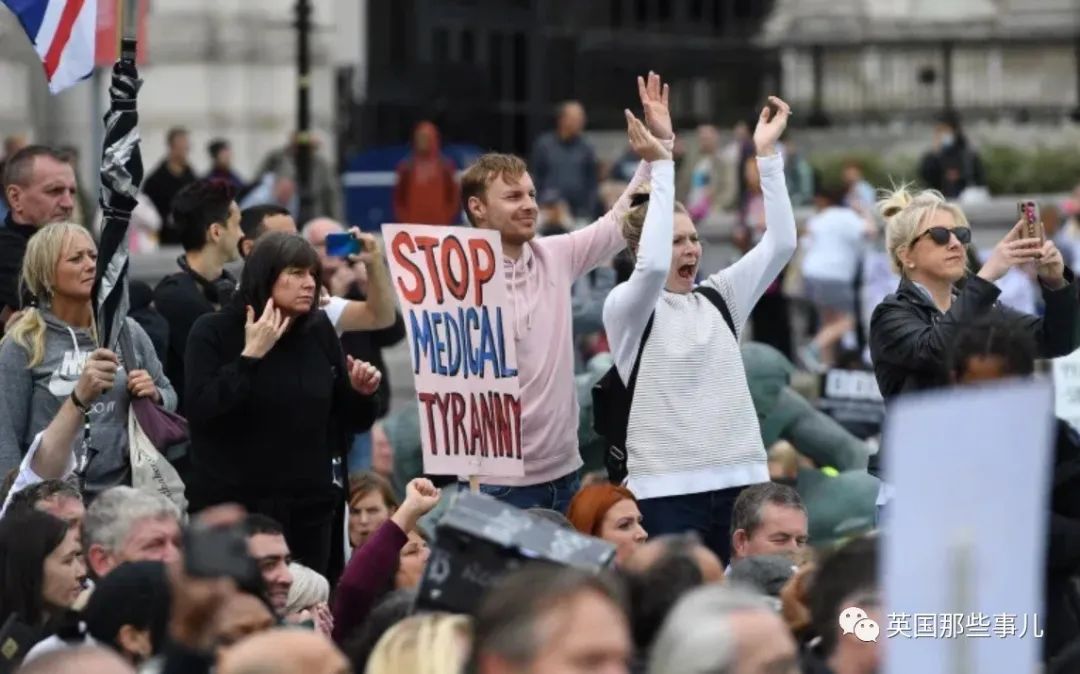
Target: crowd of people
304	523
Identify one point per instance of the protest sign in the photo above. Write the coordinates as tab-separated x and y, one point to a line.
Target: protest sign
1067	388
965	536
461	340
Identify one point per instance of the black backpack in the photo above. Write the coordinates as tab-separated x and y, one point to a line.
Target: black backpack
612	399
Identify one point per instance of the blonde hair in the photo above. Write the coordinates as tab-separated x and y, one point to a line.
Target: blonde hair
633	222
430	643
308	589
38	277
904	210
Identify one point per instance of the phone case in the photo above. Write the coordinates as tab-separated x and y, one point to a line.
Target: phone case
1033	225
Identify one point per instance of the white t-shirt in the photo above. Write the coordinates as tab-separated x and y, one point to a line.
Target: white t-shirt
833	244
27	477
334	309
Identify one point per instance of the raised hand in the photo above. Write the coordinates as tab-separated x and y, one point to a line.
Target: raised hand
654	103
421	497
97	377
261	335
369	247
768	131
644	144
364	377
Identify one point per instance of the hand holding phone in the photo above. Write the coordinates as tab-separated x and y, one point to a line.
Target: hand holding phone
342	245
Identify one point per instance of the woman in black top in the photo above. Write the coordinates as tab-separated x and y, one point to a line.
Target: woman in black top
912	330
270	396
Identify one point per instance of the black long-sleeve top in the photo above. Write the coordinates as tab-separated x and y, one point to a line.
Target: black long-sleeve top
270	425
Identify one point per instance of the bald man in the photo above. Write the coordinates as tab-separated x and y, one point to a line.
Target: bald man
284	651
87	660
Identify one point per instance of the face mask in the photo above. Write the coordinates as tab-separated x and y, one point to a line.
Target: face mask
947	140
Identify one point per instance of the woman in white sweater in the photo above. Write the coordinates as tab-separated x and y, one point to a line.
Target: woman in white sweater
693	439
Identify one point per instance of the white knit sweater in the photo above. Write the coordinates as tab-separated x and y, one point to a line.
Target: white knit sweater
693	427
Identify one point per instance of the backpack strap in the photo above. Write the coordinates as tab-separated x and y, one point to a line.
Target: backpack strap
632	382
717	300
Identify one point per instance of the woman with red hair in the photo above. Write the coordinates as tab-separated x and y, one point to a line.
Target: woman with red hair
610	513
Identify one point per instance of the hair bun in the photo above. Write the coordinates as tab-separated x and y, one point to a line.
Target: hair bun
895	201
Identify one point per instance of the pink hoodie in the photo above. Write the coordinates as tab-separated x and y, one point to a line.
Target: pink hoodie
540	313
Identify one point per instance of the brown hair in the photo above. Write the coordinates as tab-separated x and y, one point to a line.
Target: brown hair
476	179
362	484
634	221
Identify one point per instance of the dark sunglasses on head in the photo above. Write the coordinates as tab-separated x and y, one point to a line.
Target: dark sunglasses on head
940	235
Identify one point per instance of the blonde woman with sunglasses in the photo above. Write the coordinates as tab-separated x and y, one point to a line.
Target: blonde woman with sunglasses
912	330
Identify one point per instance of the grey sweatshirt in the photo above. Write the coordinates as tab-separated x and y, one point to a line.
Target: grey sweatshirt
30	398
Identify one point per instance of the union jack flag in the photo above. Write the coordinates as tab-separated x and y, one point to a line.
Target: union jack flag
64	35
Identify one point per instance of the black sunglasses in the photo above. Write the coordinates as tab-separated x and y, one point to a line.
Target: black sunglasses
940	235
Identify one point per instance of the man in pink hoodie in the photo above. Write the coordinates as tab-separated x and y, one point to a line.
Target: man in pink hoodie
498	194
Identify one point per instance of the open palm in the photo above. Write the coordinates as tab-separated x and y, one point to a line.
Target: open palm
654	103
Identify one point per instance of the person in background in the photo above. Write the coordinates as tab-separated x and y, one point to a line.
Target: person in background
609	513
833	243
60	498
911	330
129	611
262	219
721	629
324	180
127	525
278	189
693	440
284	650
171	175
513	626
763	574
434	643
371	503
393	608
952	165
712	183
859	194
42	568
499	195
141	310
393	558
848	576
221	168
564	161
308	598
768	519
12	144
426	191
207	220
799	174
53	375
268	547
39	189
657	575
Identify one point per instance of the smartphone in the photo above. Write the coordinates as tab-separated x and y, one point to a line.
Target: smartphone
1033	225
342	245
219	552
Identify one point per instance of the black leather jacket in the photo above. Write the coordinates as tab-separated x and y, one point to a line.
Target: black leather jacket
910	337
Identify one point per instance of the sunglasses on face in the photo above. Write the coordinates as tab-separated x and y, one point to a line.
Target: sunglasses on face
940	235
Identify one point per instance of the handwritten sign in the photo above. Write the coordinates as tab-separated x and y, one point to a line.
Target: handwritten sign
453	294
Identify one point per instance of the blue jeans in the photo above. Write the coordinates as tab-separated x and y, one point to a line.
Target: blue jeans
359	458
707	513
554	495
